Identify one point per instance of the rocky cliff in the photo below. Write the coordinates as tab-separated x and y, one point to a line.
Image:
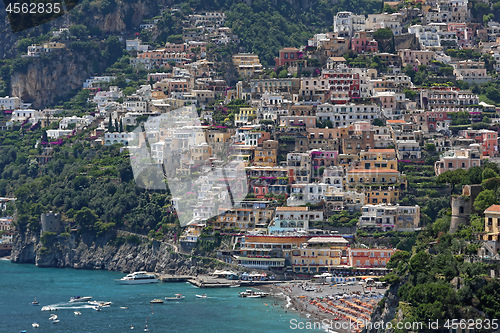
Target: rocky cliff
42	81
386	310
100	253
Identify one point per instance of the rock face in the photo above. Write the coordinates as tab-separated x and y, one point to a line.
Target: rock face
45	81
98	253
385	312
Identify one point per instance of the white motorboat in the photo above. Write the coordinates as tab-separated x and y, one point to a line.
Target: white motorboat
177	297
35	325
156	301
100	303
48	308
80	299
253	294
35	302
138	278
202	296
78	313
55	321
53	317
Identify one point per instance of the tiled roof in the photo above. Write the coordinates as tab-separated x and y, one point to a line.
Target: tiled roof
292	209
493	208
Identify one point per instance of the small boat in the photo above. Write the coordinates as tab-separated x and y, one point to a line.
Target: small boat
253	294
234	285
156	301
138	278
177	297
78	313
48	308
53	317
80	299
202	296
124	307
35	325
100	303
35	302
55	321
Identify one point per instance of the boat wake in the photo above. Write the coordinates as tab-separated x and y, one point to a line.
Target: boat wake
288	302
66	306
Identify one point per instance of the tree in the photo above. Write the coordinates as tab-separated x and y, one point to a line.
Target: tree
378	122
110	125
86	218
489	173
121	125
383	34
484	200
452	178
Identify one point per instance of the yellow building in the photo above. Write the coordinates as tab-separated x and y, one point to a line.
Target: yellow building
492	223
321	254
378	158
380	185
247	64
266	153
245	116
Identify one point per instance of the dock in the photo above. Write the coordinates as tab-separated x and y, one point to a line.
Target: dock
174	278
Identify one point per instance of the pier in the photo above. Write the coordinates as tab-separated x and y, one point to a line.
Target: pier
175	278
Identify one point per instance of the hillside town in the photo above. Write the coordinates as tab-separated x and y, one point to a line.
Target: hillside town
335	138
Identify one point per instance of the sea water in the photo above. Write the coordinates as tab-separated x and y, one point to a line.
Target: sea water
130	311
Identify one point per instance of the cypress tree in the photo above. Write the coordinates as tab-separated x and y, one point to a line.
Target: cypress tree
110	125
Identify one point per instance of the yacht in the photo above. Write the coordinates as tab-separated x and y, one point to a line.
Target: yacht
177	297
138	278
253	294
80	299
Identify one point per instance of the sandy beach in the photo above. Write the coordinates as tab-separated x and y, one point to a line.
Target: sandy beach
342	308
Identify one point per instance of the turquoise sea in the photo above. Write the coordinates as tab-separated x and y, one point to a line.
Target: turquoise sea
222	311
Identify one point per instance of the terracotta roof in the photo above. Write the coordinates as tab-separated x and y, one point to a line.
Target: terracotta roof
292	209
493	208
381	150
374	170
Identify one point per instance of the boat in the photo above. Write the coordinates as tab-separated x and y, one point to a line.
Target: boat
35	325
48	308
35	302
53	317
100	303
138	278
202	296
234	286
78	313
177	297
253	294
97	308
55	321
156	301
80	299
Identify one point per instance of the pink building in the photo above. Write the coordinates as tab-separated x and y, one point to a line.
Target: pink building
288	55
488	140
363	42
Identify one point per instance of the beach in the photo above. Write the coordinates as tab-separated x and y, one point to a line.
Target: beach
342	308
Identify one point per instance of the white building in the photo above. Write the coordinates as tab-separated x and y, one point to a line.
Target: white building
289	219
345	23
135	45
58	133
384	217
347	114
116	137
10	103
89	83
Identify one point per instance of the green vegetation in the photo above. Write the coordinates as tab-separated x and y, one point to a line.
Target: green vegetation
93	187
